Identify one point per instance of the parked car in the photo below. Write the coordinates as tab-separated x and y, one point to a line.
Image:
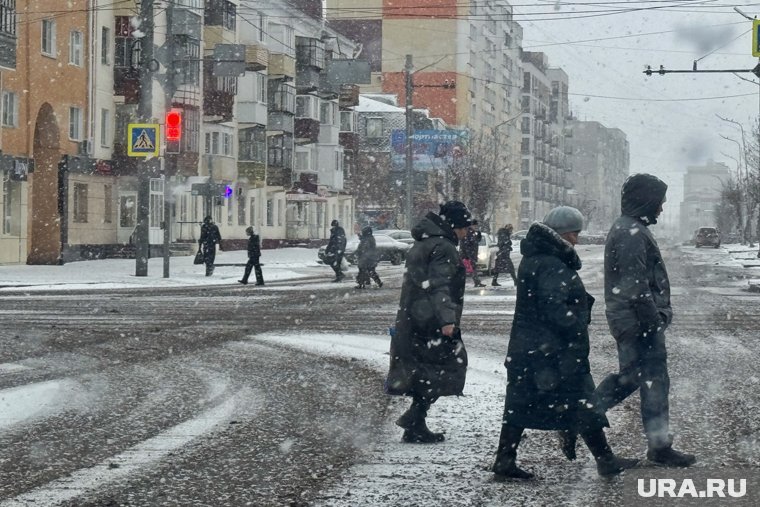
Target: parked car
707	236
587	238
389	250
397	234
487	250
519	235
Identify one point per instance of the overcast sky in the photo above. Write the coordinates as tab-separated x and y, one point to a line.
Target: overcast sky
665	136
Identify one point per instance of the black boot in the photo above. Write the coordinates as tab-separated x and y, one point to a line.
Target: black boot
413	422
506	456
567	440
606	461
669	457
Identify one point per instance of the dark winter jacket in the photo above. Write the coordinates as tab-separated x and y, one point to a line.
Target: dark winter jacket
422	360
254	247
210	236
366	252
548	372
636	285
337	243
470	245
504	242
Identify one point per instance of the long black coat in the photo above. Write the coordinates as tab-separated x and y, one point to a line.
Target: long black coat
503	262
470	245
337	243
254	247
549	378
366	252
423	362
210	237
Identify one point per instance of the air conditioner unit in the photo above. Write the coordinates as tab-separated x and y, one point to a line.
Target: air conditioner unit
85	148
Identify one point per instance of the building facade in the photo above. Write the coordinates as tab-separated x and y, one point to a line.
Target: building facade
702	186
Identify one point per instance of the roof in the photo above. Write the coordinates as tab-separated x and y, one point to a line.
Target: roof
367	105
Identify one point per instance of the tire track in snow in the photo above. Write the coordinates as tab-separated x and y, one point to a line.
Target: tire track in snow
129	462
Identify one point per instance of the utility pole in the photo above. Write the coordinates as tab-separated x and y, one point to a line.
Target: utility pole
409	134
145	167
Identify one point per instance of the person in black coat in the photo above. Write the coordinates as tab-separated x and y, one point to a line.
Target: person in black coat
503	260
336	249
637	297
210	237
427	355
367	257
469	248
549	378
254	254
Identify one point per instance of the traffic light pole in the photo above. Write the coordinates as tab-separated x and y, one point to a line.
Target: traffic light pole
408	148
145	114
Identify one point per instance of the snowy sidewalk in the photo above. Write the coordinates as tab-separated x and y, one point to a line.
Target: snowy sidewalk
278	265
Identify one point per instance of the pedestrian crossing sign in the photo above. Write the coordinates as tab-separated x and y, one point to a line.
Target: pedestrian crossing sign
142	139
756	37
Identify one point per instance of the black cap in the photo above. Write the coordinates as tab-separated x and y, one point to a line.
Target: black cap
456	214
334	223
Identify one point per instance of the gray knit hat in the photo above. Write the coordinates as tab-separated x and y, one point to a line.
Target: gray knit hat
564	219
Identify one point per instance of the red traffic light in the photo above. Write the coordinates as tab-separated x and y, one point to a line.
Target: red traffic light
173	125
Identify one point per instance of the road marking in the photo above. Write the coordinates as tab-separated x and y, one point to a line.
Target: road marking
128	462
6	368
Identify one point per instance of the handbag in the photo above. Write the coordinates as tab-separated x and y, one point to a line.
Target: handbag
468	266
198	257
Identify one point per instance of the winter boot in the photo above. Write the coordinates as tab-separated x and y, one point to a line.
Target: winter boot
413	422
606	462
669	457
567	440
505	465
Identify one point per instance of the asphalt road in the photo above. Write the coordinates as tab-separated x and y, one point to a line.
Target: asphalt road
165	397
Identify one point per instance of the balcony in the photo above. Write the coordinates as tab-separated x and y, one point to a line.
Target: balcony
256	57
349	141
307	79
126	83
281	66
349	96
306	130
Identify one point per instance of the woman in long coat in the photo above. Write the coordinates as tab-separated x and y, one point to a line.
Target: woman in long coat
549	378
367	259
427	356
503	261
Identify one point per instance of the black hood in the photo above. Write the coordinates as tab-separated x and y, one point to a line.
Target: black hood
641	197
434	225
543	240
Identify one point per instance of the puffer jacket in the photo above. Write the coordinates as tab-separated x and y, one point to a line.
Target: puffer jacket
422	360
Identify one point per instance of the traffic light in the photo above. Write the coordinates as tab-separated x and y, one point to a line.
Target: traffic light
173	126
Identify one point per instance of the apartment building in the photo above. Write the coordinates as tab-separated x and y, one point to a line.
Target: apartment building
702	186
600	161
467	66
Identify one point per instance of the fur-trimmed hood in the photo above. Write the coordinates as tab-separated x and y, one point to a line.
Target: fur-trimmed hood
543	240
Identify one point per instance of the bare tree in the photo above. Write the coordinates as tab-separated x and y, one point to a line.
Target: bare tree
373	184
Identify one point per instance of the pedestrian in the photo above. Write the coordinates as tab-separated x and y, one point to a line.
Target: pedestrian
210	237
336	249
469	248
637	297
254	254
503	260
427	355
367	258
549	378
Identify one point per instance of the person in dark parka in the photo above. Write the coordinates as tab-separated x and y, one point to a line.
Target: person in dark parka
549	378
210	237
336	249
254	254
427	355
367	259
503	260
637	297
469	247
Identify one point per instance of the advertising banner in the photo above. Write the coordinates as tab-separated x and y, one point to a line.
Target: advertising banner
431	149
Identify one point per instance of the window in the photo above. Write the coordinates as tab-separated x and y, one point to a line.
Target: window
270	211
241	206
280	211
310	52
156	202
230	16
11	210
75	48
526	167
282	97
127	211
280	151
261	88
107	204
327	113
252	210
230	214
227	145
8	17
191	129
307	106
80	203
374	128
105	45
525	146
347	121
48	37
252	145
525	188
75	124
261	32
10	109
123	42
105	128
189	62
